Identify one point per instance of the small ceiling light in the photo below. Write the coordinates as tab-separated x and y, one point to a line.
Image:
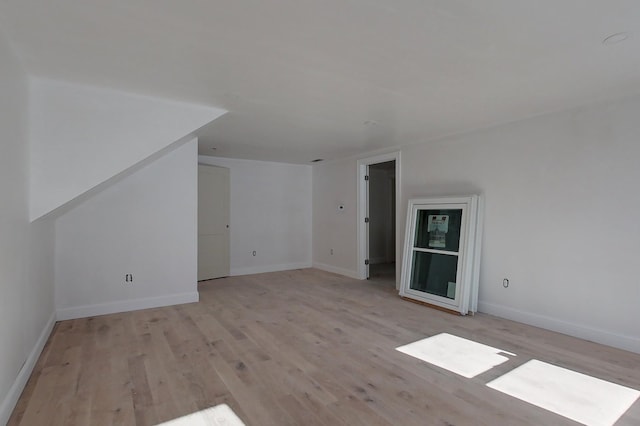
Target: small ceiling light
616	38
317	160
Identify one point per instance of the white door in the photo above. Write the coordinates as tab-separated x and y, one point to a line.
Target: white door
213	222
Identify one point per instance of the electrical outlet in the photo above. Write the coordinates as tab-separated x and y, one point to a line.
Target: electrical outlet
254	253
332	252
505	283
128	278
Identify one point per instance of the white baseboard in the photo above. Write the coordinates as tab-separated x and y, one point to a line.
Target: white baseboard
125	306
16	389
627	343
337	270
268	268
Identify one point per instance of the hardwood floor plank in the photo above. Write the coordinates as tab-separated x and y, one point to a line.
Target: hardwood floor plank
300	347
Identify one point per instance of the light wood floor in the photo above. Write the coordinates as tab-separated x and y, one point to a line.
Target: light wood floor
293	348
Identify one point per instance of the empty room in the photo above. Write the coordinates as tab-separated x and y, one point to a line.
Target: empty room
319	212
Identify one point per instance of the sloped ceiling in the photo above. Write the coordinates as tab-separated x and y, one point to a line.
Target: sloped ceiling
83	138
324	79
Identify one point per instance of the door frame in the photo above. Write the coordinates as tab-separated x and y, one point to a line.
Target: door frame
363	204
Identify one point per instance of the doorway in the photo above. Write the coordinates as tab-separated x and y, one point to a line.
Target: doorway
378	203
382	220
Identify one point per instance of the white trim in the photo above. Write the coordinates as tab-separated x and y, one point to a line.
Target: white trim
337	270
16	389
466	264
362	235
269	268
477	250
362	207
125	306
628	343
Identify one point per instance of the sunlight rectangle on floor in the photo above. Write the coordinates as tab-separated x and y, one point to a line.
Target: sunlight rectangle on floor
456	354
220	415
577	396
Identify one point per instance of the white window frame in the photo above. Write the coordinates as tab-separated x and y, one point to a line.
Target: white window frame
468	265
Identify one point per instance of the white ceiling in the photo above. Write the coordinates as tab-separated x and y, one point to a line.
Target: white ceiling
301	78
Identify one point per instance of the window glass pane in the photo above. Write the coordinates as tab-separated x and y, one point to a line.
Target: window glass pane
434	273
438	229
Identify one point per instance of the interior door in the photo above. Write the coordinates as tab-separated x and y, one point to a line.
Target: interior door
213	222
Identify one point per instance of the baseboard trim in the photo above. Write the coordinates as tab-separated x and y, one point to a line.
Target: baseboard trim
619	341
16	389
337	270
125	306
268	268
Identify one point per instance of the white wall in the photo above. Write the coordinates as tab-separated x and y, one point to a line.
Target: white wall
270	213
81	136
561	216
144	224
26	250
334	184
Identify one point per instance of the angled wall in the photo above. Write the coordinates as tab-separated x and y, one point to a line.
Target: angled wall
82	136
144	224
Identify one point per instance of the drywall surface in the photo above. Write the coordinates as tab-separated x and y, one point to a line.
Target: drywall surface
81	136
561	215
144	225
270	214
39	292
334	184
26	249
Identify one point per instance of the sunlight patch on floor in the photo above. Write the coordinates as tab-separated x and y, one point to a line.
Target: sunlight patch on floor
456	354
579	397
220	415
